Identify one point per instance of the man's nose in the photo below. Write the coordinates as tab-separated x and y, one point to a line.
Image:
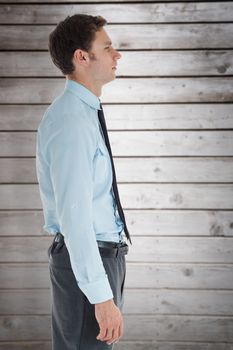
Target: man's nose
118	55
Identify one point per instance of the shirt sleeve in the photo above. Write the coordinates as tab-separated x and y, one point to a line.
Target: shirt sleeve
70	155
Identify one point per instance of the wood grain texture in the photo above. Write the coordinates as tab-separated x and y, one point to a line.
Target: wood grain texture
129	345
186	196
170	122
149	275
144	249
162	301
136	196
178	328
158	63
188	223
138	169
137	143
126	90
162	36
138	116
214	276
119	13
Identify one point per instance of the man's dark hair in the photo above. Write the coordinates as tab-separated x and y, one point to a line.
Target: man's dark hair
75	32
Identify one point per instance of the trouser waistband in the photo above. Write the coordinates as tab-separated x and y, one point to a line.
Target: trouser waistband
106	249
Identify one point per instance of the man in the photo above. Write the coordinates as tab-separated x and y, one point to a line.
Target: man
79	193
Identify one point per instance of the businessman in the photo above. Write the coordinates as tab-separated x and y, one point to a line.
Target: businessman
79	193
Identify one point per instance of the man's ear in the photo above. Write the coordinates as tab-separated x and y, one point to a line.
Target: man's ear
80	57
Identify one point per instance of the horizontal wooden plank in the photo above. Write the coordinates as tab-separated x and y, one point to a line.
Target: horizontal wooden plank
149	36
25	302
140	223
167	116
132	117
149	275
179	223
162	301
172	169
206	169
125	90
129	345
178	302
28	275
180	249
137	143
30	345
25	328
137	196
178	328
144	249
158	63
24	117
119	13
167	196
210	276
170	90
187	328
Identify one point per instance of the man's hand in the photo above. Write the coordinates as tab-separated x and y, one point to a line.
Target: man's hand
110	321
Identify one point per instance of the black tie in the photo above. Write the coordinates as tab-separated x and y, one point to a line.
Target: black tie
114	182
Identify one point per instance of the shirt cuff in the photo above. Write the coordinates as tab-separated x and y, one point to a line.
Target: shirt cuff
98	291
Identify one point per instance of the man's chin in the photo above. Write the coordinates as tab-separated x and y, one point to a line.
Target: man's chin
110	78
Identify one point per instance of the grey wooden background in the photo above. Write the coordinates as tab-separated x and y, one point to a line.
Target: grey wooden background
170	116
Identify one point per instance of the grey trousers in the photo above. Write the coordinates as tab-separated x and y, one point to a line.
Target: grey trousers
74	326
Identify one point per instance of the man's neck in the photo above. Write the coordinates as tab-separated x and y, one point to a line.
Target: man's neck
96	90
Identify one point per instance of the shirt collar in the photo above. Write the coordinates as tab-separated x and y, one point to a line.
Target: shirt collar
83	93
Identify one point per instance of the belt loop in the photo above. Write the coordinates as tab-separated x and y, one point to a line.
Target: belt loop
56	239
117	252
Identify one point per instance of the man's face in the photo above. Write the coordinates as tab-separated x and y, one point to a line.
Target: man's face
103	58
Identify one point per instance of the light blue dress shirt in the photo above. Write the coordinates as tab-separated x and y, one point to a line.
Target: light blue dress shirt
75	183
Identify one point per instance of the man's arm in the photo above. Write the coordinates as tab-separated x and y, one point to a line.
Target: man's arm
70	155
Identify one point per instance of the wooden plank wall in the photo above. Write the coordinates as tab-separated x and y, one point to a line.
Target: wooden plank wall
170	116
